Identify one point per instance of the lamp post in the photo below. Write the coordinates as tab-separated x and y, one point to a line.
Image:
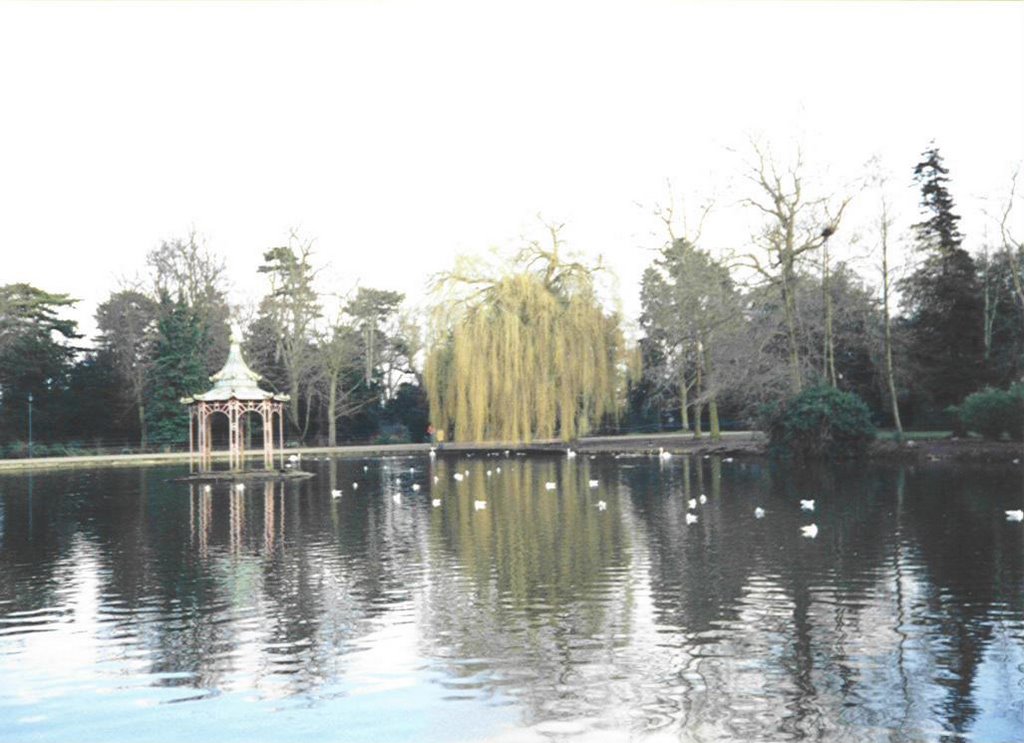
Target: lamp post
29	425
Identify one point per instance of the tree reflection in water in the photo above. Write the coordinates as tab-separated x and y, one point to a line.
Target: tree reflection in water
901	621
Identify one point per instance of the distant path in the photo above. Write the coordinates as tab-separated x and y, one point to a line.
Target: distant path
732	442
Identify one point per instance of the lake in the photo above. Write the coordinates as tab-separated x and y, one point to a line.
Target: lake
137	609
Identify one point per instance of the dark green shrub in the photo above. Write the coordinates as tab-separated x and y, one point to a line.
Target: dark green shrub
819	423
993	412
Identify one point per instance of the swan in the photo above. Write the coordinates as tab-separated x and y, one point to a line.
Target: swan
691	518
1017	515
479	505
811	530
489	473
593	483
692	503
436	502
550	486
728	459
759	513
664	455
355	486
466	473
703	499
366	468
207	488
433	452
602	506
293	458
397	497
570	454
239	486
335	493
498	470
415	487
458	477
806	505
436	478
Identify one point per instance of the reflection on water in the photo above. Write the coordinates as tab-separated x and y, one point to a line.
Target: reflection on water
130	606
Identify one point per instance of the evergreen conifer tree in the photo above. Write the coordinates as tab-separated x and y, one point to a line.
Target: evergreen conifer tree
179	370
942	297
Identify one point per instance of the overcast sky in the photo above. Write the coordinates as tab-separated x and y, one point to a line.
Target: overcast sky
399	135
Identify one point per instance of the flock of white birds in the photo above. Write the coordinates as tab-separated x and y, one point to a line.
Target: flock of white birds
809	530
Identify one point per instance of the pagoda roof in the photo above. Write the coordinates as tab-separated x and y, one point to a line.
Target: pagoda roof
235	380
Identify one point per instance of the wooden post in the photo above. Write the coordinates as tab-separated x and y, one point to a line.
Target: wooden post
191	420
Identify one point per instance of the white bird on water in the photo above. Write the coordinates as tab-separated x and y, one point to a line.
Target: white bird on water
433	452
703	499
570	454
498	470
811	530
806	505
664	455
550	486
293	458
728	459
458	477
355	486
335	493
239	486
436	503
207	488
1017	515
479	505
691	518
593	483
397	497
415	487
692	503
366	468
602	506
436	478
489	473
759	513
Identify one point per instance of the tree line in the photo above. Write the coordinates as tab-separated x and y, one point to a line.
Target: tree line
346	361
528	349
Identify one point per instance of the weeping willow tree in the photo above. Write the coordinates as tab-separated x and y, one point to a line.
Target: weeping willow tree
527	355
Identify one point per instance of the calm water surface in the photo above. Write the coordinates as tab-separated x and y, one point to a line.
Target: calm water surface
136	609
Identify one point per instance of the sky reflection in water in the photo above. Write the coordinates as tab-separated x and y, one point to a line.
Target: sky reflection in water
136	609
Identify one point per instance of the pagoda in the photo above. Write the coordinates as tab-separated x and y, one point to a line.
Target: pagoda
235	393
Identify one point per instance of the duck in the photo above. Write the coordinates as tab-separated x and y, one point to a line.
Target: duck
436	503
602	506
1017	515
692	503
806	505
415	487
458	477
593	483
811	530
691	518
759	513
335	493
703	499
355	486
728	460
479	505
550	486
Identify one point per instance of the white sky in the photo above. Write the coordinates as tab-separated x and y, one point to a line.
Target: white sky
400	134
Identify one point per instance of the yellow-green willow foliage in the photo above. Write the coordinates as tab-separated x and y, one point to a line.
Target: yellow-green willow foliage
529	355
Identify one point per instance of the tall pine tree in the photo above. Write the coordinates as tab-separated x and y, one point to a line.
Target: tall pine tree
942	298
179	370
